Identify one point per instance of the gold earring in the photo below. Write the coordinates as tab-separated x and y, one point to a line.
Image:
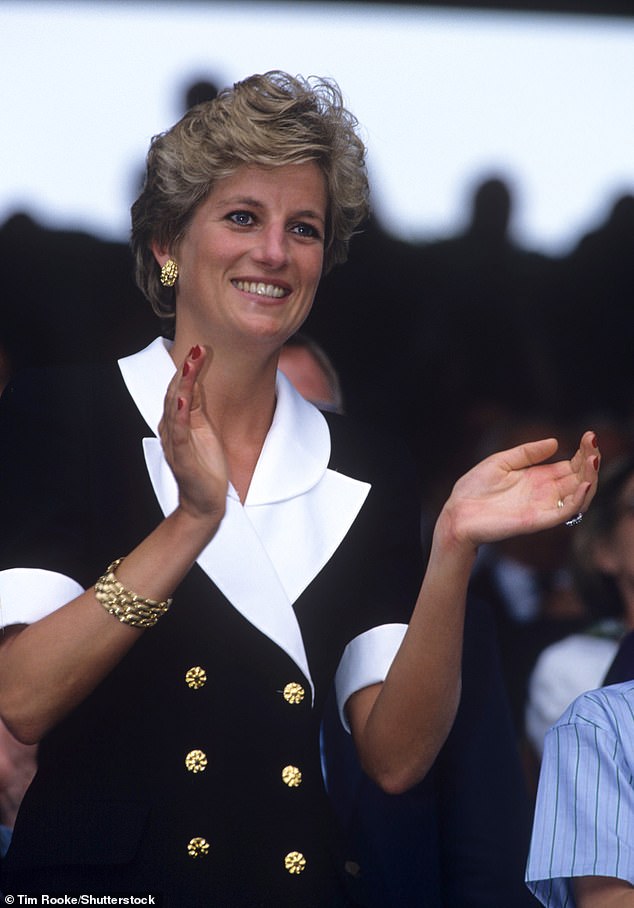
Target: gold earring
169	273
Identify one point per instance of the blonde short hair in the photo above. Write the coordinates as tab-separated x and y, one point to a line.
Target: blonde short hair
266	120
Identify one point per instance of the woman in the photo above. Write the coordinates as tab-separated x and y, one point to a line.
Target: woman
179	744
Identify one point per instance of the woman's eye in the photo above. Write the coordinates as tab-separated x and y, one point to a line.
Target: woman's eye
306	230
241	218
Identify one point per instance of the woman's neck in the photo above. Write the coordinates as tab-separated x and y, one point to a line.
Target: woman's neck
238	391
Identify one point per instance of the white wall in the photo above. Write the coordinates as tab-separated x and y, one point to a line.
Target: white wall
445	97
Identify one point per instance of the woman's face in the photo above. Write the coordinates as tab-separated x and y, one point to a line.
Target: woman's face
251	258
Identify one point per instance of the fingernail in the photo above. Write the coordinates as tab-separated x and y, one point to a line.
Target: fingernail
185	368
595	443
195	352
180	403
595	463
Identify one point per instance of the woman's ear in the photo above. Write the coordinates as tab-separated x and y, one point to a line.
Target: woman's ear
160	253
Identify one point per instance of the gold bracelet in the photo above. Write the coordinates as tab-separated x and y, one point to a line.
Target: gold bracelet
125	605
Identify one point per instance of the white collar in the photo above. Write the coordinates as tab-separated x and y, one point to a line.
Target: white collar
296	451
296	514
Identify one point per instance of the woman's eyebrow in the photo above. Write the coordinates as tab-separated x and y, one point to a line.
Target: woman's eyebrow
309	213
241	200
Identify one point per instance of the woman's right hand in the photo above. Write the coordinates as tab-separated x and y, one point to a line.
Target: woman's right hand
190	443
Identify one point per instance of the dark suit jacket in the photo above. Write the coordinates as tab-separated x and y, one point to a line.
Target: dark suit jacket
622	668
114	804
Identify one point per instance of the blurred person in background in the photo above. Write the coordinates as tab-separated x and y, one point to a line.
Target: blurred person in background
603	573
308	367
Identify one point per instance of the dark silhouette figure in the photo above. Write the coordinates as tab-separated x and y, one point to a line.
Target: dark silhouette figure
199	91
476	344
593	322
67	297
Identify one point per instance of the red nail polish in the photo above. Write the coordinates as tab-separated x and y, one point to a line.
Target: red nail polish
595	463
180	403
185	368
195	352
595	443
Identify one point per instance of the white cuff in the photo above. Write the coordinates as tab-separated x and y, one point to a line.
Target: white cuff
366	660
28	594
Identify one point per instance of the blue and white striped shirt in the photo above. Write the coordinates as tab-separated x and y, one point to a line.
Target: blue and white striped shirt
584	817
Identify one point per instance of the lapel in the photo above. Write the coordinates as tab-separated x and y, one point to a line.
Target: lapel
297	511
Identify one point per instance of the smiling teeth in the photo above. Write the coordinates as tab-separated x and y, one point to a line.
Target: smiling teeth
261	289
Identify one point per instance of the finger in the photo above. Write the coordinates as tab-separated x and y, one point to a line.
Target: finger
593	482
582	466
182	396
586	463
586	475
184	383
529	454
588	446
577	497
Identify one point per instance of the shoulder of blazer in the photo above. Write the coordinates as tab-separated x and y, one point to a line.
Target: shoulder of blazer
58	394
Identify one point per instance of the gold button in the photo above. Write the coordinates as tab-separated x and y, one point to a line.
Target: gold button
295	862
196	761
196	677
197	848
294	693
292	776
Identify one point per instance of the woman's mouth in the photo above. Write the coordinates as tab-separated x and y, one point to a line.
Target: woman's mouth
259	288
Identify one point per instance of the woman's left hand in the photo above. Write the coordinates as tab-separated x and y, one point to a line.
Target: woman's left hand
514	492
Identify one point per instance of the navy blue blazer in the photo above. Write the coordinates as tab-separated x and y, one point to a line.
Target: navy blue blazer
152	766
622	668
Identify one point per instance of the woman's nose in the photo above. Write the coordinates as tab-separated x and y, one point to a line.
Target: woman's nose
272	250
